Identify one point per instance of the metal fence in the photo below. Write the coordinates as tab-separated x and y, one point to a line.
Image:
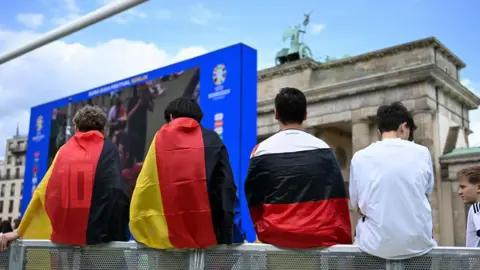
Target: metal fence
43	255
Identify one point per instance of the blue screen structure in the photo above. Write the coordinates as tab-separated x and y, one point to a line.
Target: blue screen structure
224	82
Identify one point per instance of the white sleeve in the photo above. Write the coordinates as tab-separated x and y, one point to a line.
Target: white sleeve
431	178
111	114
476	216
353	188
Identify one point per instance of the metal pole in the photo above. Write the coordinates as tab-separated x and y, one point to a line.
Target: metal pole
72	27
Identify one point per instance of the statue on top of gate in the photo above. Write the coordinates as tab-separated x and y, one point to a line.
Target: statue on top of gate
298	50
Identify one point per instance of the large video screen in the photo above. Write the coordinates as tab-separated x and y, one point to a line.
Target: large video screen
134	115
224	82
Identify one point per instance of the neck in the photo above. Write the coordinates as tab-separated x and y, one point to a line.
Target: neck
478	197
290	126
390	135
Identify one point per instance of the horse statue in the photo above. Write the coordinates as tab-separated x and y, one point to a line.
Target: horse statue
298	50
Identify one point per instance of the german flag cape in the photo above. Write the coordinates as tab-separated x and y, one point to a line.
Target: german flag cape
82	198
185	194
296	193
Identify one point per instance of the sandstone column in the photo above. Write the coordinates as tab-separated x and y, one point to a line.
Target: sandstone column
459	216
360	140
424	135
360	134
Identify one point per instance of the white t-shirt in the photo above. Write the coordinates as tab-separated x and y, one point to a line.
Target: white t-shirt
389	182
473	226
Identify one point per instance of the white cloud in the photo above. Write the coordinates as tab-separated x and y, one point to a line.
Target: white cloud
163	14
317	28
69	10
202	15
473	139
126	16
30	20
61	69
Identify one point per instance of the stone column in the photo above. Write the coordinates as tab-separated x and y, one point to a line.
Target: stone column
459	216
424	135
360	134
360	140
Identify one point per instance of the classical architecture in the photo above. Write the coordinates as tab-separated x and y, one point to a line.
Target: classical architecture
344	95
11	177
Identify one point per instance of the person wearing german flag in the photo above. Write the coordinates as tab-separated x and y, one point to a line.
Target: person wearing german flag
185	195
295	189
82	199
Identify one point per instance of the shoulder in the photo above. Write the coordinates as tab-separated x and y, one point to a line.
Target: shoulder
210	137
475	208
109	147
288	142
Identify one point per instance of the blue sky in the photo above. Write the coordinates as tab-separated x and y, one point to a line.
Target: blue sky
351	27
343	27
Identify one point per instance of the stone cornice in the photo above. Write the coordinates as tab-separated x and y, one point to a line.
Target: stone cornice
454	88
425	72
288	68
422	43
352	87
311	64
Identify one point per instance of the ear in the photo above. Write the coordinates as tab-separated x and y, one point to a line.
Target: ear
171	117
276	114
305	116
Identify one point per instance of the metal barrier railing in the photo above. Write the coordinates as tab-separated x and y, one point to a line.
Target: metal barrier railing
30	254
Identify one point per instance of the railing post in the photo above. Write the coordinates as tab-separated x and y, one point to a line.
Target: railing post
394	265
196	260
17	255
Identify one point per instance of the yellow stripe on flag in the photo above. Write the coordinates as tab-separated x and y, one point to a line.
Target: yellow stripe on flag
35	222
147	219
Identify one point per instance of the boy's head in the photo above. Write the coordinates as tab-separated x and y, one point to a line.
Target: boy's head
469	184
183	107
290	106
395	119
90	118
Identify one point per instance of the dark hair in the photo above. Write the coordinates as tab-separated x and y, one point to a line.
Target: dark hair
6	226
16	223
90	118
390	117
472	174
183	107
291	105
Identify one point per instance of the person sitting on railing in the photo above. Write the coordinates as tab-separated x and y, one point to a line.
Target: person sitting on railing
469	190
185	194
295	189
82	199
389	184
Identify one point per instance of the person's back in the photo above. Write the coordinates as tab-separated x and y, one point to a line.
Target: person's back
389	183
186	180
82	198
392	196
295	188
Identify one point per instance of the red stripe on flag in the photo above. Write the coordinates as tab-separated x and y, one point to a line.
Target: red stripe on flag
183	185
303	225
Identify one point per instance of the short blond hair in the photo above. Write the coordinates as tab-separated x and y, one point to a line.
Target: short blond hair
90	118
472	174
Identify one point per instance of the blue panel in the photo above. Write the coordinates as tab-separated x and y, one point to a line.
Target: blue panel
248	132
227	97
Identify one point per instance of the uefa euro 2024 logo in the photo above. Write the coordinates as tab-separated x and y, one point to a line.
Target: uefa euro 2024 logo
219	74
39	124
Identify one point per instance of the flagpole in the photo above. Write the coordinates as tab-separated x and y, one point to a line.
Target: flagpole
72	27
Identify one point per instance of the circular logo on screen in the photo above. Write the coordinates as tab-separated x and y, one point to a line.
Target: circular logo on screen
219	74
39	123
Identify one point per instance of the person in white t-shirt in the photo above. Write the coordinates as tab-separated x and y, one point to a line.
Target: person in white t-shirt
469	190
389	184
